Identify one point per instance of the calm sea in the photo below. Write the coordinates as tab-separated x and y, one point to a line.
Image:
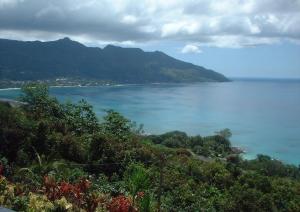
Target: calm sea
263	115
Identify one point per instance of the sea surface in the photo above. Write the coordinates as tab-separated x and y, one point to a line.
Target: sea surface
263	115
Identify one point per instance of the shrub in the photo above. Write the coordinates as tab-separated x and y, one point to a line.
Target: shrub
121	204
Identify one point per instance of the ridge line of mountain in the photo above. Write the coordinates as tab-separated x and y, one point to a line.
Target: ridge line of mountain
65	58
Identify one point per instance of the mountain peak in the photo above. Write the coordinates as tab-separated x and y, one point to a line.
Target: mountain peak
110	46
65	39
68	41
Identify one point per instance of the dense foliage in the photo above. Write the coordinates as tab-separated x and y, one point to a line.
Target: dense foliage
65	58
59	157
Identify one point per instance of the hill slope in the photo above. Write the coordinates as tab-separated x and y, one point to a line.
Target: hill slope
37	60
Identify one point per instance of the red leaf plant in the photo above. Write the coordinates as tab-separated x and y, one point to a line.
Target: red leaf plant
76	193
121	204
140	194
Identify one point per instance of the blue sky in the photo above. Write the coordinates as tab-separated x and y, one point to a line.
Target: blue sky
280	60
239	38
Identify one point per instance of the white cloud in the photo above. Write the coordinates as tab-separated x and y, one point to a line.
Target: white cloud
190	48
182	27
9	3
230	23
129	19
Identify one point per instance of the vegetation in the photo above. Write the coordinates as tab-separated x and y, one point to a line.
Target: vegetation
66	62
59	157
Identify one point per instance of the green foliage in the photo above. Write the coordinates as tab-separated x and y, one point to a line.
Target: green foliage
107	155
4	167
40	104
145	202
15	131
136	179
80	117
210	146
225	133
171	139
74	148
265	165
116	125
216	174
65	144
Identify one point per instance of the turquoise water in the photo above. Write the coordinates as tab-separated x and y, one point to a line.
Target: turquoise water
264	116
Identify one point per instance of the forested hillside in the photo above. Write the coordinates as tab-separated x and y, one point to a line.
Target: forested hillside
65	58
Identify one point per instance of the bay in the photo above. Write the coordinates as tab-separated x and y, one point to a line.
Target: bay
263	115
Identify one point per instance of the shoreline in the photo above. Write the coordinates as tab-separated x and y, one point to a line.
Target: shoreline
7	89
62	86
233	79
111	85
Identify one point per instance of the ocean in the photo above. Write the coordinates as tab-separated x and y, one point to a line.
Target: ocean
263	115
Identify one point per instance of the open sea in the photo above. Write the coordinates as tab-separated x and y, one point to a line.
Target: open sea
263	115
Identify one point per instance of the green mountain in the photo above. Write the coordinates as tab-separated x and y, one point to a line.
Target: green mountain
37	60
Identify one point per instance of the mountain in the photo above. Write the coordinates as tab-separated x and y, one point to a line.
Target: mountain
36	60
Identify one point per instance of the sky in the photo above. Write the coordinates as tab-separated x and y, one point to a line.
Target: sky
239	38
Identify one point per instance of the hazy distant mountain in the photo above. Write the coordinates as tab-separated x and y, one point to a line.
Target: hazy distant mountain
37	60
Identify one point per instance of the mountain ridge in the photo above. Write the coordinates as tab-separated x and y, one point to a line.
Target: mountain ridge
37	60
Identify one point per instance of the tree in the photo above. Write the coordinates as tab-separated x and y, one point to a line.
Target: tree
15	129
116	125
40	104
80	117
225	133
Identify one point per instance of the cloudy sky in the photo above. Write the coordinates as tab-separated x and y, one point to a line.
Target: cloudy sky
255	38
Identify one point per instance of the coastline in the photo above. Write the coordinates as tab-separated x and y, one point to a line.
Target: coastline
7	89
61	86
109	85
19	84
